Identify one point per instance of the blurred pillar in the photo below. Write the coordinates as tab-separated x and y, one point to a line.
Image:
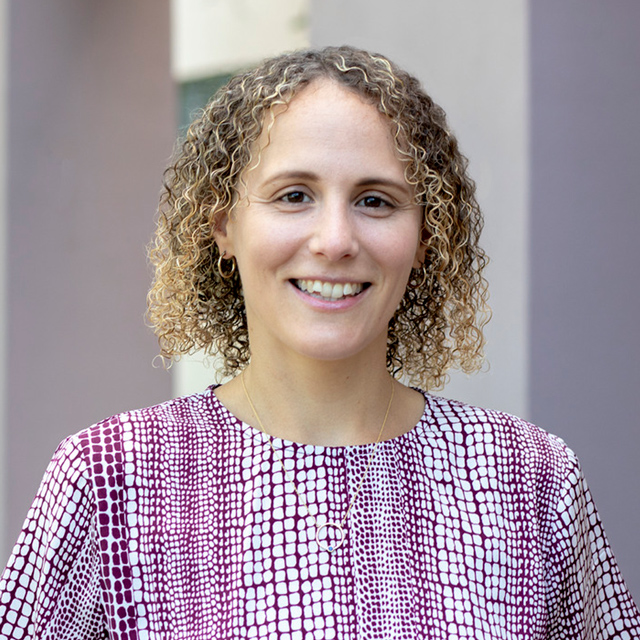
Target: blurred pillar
91	121
4	30
585	225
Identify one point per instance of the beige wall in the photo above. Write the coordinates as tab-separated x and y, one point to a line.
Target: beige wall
472	57
209	38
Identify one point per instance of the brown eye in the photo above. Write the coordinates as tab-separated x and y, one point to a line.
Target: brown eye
295	197
373	202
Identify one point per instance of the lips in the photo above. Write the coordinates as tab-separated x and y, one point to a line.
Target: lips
330	291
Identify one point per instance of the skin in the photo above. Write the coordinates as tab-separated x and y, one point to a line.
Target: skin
326	202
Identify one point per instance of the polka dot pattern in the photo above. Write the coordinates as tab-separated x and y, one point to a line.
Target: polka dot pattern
177	522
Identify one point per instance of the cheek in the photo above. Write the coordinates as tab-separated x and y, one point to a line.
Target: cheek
404	247
262	251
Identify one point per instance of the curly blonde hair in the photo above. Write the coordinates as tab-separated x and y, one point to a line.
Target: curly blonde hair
438	324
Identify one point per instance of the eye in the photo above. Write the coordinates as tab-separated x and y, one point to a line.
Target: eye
373	202
295	197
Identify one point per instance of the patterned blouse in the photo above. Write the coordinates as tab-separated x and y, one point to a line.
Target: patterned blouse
177	522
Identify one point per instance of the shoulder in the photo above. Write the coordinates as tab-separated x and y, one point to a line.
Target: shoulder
189	412
181	423
500	438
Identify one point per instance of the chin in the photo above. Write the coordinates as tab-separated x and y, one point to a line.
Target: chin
336	350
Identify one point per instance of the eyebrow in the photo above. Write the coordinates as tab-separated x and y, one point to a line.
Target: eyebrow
309	175
382	181
287	175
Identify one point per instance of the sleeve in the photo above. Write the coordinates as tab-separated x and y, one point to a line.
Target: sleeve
587	596
50	589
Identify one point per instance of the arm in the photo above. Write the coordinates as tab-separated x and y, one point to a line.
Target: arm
587	596
50	588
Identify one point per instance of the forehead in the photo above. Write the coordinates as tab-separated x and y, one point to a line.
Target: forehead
327	118
326	100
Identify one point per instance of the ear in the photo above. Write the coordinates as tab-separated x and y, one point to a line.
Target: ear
421	254
424	240
223	235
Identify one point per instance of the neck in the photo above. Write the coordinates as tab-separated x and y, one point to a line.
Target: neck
325	403
328	403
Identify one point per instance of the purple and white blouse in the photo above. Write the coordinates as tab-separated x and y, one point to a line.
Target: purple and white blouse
177	522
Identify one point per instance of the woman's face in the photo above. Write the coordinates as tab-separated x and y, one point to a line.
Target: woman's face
326	230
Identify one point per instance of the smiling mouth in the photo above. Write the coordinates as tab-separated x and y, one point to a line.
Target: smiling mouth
330	291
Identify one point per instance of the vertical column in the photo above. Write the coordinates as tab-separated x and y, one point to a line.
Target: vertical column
4	31
472	58
585	225
92	123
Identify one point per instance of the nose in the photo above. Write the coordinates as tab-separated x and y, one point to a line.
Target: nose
334	234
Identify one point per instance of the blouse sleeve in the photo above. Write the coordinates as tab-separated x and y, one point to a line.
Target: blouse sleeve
51	586
588	598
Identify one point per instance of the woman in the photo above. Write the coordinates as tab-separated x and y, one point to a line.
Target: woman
319	231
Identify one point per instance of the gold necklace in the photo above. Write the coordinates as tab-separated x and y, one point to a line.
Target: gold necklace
337	528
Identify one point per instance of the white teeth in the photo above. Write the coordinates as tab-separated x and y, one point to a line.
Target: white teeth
329	290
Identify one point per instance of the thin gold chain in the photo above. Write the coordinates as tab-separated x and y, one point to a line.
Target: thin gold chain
286	473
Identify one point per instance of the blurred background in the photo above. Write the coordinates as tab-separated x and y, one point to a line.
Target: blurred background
544	97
